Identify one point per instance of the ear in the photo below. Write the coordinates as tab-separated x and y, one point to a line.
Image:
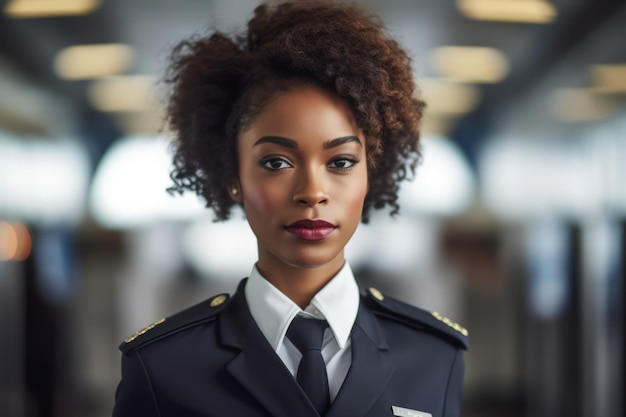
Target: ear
234	190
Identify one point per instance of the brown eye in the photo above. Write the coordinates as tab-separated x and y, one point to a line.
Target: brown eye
343	164
275	164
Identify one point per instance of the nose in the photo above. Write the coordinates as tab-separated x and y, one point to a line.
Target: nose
310	189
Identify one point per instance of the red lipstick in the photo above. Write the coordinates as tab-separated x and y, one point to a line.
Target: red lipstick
311	229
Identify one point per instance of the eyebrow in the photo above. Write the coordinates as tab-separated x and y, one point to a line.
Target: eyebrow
287	143
292	144
340	141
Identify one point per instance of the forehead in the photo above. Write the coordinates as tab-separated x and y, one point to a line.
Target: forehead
303	114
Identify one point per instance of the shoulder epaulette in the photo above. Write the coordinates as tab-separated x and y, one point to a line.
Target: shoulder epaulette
199	313
416	317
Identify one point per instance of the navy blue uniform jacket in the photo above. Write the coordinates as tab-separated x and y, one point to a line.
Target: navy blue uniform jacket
212	360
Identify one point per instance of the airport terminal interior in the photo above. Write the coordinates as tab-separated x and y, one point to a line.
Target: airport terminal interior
514	225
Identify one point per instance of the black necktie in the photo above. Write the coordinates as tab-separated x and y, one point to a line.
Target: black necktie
307	335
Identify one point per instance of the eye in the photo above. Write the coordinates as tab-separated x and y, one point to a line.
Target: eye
275	163
343	164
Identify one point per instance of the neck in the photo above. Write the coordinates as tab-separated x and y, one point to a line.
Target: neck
299	284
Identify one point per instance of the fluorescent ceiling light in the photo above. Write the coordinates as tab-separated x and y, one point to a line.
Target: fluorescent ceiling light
448	98
93	61
444	183
544	177
522	11
609	79
580	105
130	93
42	182
471	64
49	8
128	189
143	123
224	250
435	125
393	245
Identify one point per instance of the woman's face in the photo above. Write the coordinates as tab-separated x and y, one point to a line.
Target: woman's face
302	180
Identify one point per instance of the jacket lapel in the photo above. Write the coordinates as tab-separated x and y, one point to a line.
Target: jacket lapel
257	367
370	371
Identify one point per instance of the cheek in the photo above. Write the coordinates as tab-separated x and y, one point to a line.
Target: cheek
262	199
355	198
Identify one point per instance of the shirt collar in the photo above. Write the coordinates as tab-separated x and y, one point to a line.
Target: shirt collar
273	311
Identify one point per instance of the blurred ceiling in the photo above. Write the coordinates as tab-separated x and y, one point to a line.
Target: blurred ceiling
152	27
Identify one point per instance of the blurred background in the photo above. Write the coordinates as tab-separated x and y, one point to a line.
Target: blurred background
515	225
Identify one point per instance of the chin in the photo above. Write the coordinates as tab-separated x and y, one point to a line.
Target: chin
314	260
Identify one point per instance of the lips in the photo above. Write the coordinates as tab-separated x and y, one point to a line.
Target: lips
311	229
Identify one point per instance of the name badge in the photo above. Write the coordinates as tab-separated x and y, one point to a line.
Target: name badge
407	412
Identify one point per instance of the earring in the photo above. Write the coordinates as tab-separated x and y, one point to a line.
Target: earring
234	191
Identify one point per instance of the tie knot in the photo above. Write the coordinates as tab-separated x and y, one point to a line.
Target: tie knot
307	334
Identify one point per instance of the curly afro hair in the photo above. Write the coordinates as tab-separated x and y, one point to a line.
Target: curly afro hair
220	83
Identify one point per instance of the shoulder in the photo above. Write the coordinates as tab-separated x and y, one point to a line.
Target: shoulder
430	321
200	313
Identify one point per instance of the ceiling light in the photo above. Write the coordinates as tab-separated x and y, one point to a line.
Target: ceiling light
224	250
91	61
523	11
444	184
436	125
43	182
579	105
448	98
392	244
140	123
123	93
48	8
609	78
470	64
128	188
575	176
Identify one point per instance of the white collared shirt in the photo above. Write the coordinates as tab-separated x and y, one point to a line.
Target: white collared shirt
337	303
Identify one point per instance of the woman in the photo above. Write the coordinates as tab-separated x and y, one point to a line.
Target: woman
308	122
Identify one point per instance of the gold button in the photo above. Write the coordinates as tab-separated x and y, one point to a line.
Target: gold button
377	294
218	300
